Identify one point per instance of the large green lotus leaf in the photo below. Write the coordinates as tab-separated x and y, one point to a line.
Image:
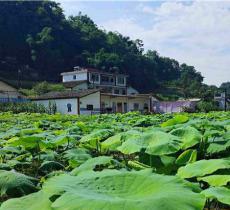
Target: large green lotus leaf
188	156
28	142
14	183
216	180
222	194
111	143
96	136
178	119
61	140
113	190
189	136
49	166
34	201
160	143
92	163
218	147
155	143
115	141
30	131
76	156
203	167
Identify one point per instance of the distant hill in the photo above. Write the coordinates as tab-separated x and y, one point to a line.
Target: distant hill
37	43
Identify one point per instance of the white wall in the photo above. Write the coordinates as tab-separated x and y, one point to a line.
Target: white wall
92	99
82	86
61	105
79	77
140	101
130	102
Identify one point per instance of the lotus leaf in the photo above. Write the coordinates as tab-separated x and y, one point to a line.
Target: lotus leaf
216	180
12	182
203	167
34	201
222	194
189	136
111	189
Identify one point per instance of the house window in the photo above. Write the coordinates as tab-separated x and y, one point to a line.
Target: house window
69	107
123	92
136	106
89	107
94	77
74	77
121	80
116	91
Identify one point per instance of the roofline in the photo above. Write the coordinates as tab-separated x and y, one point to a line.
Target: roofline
128	96
91	71
63	97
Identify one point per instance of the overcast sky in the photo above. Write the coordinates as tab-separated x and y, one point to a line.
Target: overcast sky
194	32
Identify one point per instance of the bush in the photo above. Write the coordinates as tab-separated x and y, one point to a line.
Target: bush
42	88
29	107
206	106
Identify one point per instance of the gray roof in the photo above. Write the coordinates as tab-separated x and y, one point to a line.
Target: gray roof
66	94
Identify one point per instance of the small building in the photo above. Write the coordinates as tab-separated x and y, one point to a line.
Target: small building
8	93
72	102
174	106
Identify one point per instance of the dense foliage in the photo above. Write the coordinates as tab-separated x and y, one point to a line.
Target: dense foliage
123	161
37	42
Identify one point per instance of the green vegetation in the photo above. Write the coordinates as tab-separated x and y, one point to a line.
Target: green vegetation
42	88
37	43
123	161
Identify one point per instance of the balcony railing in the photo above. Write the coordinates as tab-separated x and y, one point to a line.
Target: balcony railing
107	83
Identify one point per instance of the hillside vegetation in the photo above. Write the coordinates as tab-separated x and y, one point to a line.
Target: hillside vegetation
37	42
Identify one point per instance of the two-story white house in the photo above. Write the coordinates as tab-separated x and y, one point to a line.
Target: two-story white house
115	94
89	78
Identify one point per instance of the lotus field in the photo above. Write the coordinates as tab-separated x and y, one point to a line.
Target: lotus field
115	162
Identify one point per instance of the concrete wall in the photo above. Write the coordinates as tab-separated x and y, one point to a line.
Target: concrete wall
62	105
79	77
82	86
92	99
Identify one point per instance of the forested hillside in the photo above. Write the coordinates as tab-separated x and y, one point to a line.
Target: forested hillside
37	42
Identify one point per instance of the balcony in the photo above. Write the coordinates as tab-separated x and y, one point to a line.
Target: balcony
107	83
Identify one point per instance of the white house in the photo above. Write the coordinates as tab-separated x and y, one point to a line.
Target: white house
116	95
89	78
72	102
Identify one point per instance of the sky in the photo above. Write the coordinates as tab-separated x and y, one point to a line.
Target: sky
193	32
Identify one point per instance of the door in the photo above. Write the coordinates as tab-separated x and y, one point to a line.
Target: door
125	107
119	107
